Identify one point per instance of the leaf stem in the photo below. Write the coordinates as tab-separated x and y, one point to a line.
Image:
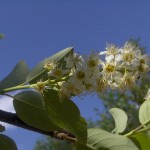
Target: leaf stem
139	129
20	87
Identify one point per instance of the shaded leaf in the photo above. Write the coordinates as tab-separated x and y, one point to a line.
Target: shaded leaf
79	146
29	108
7	143
39	72
144	112
16	77
143	141
2	128
65	114
103	140
120	118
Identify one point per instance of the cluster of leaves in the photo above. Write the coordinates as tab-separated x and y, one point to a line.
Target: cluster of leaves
45	111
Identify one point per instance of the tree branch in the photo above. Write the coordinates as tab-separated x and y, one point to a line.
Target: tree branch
13	119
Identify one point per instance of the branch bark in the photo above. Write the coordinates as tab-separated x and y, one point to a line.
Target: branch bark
13	119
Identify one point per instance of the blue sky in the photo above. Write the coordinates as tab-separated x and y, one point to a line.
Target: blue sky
36	29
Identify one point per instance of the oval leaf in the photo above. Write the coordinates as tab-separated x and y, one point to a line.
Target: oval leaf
79	146
39	72
65	114
120	119
100	139
7	143
143	141
144	113
29	108
16	77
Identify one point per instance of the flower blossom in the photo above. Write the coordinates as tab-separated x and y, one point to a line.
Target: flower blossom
89	74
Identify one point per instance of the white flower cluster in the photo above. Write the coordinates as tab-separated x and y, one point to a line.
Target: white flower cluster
120	68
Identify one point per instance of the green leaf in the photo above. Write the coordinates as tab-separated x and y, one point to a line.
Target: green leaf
143	140
2	128
16	77
79	146
120	119
29	108
103	140
39	72
65	114
144	112
7	143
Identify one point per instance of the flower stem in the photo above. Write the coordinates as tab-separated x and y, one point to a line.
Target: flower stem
19	87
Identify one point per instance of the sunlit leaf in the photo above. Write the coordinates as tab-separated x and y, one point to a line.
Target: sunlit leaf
103	140
17	76
65	114
7	143
120	119
39	72
144	112
29	108
143	141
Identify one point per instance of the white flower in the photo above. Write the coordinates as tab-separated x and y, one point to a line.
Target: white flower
110	70
58	72
144	64
101	85
78	75
65	91
130	54
49	65
128	80
111	49
112	52
72	60
92	60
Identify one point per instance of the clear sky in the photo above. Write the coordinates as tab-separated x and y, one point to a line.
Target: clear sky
36	29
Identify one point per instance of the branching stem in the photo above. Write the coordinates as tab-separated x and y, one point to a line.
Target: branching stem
13	119
139	129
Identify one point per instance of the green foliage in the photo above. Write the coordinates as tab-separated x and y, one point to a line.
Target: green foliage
39	72
29	108
17	76
120	118
142	140
46	143
100	139
79	146
144	113
7	143
65	114
44	110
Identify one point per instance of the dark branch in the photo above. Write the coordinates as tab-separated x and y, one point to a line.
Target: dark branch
13	119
